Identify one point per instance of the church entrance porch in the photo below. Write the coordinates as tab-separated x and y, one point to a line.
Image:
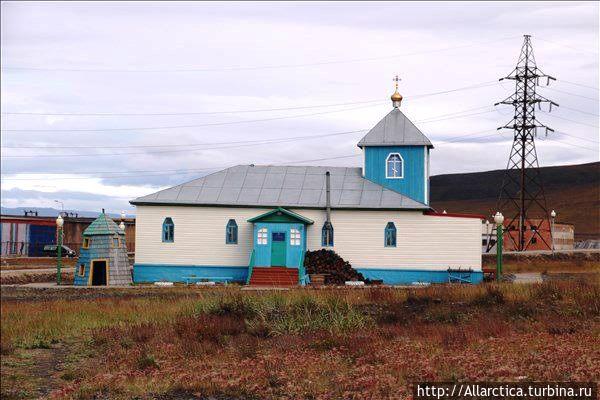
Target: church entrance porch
279	243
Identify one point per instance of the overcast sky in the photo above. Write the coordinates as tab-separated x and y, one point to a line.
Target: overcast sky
317	68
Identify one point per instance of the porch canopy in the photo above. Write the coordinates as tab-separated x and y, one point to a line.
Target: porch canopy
280	214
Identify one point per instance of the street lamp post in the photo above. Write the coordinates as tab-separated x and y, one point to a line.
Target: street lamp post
499	219
488	233
552	218
59	225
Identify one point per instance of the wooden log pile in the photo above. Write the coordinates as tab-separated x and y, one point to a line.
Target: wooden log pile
328	262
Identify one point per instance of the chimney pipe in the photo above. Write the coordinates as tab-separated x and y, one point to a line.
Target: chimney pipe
328	195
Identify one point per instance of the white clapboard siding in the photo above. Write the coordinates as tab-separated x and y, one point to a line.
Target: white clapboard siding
423	242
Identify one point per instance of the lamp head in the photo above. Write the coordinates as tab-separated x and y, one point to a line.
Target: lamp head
553	214
122	226
498	218
60	221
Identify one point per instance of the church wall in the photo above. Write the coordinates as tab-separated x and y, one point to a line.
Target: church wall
424	242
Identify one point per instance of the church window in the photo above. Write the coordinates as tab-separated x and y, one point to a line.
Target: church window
86	243
262	236
168	231
81	270
295	237
390	235
327	234
231	232
394	166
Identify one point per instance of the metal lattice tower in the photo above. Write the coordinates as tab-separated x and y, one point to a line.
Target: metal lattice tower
522	196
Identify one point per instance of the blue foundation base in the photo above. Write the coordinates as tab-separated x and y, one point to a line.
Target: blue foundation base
411	276
144	273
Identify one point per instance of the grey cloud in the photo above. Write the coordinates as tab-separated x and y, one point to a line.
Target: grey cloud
189	35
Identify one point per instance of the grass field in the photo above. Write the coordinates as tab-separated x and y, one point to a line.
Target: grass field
184	343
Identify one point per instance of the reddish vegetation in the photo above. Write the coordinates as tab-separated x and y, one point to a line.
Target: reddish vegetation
328	344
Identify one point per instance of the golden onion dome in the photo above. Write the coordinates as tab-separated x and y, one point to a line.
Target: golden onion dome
396	96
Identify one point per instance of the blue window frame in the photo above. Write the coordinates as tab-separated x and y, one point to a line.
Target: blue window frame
327	235
394	166
231	232
390	235
168	231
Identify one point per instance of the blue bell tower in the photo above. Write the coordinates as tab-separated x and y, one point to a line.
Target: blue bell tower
396	154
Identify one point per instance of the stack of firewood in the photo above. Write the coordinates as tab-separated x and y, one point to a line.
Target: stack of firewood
335	268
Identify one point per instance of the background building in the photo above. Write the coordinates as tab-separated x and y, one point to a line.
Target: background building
28	234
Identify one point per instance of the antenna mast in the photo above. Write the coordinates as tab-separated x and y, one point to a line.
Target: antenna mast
522	196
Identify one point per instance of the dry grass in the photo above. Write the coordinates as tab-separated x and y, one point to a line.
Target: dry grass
309	344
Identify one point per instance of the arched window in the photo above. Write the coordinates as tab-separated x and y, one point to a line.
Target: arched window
327	234
295	237
394	166
261	236
390	235
231	232
168	231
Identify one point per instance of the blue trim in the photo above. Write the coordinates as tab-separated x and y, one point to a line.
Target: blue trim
143	273
410	276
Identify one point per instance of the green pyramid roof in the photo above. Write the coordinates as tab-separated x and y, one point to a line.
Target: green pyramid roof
103	225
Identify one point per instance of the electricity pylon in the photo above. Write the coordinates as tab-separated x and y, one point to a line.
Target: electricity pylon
522	198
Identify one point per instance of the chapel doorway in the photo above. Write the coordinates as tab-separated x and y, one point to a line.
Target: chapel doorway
98	271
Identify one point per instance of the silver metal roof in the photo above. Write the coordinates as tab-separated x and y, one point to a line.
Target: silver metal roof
283	186
395	130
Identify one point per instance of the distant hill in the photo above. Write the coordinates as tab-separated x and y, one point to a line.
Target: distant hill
572	190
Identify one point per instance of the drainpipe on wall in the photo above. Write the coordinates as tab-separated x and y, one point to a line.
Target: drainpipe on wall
328	196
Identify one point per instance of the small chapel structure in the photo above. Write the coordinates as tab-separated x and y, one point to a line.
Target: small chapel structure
235	223
103	255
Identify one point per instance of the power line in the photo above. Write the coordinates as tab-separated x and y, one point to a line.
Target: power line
571	94
189	113
571	120
567	46
187	149
579	111
272	141
182	126
415	97
581	147
251	68
457	114
189	144
579	84
474	86
204	169
577	137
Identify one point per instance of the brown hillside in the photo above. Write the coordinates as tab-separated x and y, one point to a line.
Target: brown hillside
572	190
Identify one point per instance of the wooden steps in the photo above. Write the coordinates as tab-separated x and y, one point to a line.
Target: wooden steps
274	277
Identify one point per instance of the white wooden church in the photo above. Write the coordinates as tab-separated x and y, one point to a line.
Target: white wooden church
229	225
